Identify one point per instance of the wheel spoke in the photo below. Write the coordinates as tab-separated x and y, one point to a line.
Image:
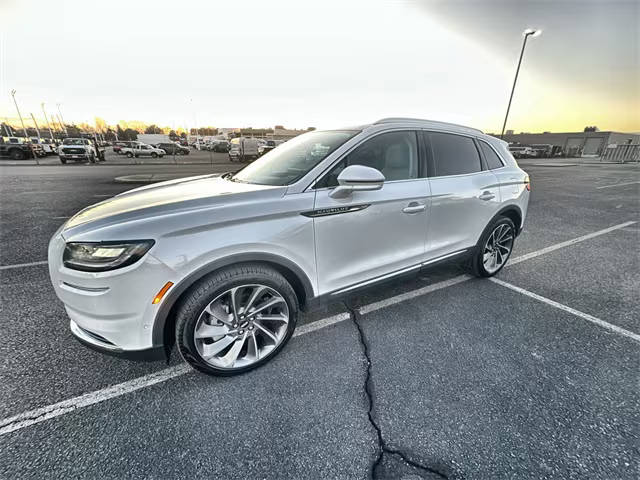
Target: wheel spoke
266	331
232	355
212	349
209	331
234	305
267	304
252	348
216	316
254	296
275	318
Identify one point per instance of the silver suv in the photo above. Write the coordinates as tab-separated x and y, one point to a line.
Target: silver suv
224	264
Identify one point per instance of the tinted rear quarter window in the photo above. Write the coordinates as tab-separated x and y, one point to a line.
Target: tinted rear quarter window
454	154
490	156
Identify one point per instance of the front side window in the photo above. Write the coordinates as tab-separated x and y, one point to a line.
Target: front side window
294	159
395	154
454	154
491	157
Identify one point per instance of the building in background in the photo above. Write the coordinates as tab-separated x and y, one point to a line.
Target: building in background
574	144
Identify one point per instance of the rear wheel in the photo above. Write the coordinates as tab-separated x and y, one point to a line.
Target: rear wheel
236	319
63	160
154	155
494	248
17	154
129	155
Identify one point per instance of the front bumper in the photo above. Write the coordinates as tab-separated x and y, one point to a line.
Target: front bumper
111	311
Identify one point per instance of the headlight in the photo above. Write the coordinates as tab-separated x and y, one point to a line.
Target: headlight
103	256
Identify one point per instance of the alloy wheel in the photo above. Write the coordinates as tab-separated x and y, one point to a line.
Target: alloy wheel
497	248
241	326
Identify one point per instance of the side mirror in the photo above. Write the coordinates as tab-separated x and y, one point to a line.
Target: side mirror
357	178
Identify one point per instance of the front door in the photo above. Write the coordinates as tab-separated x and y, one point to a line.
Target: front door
372	233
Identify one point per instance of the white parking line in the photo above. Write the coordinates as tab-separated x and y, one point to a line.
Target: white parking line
618	185
21	265
578	313
38	415
557	246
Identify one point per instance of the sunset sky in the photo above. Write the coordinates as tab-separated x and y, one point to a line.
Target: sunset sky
323	63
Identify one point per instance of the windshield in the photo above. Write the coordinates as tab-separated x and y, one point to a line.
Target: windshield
293	159
73	141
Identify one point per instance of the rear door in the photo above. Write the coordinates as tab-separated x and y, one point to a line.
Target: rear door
370	234
465	195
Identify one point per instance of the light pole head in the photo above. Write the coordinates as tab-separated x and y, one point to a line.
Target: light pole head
13	92
533	32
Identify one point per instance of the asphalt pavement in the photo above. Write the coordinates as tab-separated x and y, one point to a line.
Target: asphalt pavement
433	376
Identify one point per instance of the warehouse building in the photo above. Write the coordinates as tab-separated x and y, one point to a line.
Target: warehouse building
575	144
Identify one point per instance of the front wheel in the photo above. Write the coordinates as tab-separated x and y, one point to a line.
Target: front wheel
236	319
129	155
494	248
63	160
154	155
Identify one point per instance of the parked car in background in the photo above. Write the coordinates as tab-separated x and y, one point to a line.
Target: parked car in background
223	265
48	147
15	148
519	151
78	150
142	150
267	147
172	147
243	149
220	146
119	145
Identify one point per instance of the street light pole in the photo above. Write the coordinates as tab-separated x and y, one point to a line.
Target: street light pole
527	33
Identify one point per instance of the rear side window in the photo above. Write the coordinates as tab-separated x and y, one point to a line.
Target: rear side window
491	157
454	154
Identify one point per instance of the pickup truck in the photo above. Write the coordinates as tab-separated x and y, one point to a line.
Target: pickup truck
142	150
15	148
79	149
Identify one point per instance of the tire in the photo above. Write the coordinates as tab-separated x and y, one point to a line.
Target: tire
211	292
129	155
154	155
63	160
16	154
502	229
92	158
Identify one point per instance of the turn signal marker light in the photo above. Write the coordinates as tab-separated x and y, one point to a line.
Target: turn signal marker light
161	293
527	182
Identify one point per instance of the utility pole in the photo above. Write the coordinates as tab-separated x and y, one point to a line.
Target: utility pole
47	119
62	127
37	129
26	135
62	120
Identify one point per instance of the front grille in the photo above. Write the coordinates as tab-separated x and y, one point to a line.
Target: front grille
74	150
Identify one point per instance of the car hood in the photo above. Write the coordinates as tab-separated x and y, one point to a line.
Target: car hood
169	197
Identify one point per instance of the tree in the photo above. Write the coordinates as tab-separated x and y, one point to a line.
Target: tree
129	134
311	129
153	128
279	127
173	135
183	134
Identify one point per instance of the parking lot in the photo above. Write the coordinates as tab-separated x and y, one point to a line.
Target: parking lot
531	375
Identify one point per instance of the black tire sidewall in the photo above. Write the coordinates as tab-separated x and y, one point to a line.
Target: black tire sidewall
477	265
207	289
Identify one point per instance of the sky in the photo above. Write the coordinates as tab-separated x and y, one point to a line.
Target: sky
324	64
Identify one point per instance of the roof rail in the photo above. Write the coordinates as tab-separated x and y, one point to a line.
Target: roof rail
421	120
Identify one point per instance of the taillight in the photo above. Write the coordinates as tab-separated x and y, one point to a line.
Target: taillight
527	182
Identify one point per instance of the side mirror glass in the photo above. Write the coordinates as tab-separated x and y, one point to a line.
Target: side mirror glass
357	178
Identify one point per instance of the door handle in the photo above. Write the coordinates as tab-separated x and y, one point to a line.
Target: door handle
414	207
486	195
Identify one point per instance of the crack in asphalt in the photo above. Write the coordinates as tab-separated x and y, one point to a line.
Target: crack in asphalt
383	447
